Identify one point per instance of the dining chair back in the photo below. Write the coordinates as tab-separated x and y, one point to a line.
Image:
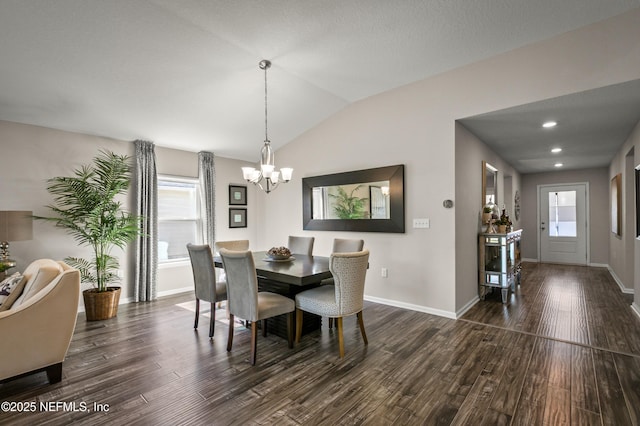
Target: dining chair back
344	298
235	245
347	245
246	302
343	245
301	245
207	288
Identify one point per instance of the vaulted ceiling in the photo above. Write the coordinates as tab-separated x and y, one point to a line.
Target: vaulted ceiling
185	74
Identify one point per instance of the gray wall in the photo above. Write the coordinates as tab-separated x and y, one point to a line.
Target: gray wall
626	268
38	153
470	153
598	210
415	125
412	125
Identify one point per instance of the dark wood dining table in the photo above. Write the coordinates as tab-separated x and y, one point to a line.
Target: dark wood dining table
289	278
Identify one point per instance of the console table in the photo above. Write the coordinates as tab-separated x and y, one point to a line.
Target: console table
499	263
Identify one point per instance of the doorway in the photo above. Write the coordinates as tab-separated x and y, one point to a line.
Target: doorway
562	219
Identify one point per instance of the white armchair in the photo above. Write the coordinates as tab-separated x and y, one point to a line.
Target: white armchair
36	330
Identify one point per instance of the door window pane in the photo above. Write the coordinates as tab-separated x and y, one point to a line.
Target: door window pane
562	214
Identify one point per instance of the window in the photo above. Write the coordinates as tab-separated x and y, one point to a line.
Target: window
178	217
562	214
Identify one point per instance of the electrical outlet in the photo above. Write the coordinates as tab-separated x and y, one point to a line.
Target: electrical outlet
384	273
421	223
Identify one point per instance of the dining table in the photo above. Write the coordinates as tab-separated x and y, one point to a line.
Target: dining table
289	277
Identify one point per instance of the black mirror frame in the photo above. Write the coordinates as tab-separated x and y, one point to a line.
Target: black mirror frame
395	176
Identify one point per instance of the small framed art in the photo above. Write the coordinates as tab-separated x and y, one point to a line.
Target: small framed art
237	218
237	195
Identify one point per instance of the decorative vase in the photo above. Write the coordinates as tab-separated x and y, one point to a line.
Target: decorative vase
101	305
502	229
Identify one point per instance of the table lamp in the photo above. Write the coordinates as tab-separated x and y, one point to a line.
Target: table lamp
15	225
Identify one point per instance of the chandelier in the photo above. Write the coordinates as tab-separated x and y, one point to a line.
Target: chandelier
266	178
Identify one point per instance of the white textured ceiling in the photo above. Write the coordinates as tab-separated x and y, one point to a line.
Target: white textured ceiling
185	73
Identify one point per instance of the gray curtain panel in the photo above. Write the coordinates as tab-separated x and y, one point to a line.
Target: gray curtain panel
146	205
207	176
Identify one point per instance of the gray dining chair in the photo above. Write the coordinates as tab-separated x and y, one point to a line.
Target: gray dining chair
347	245
344	298
301	245
246	302
207	288
236	245
343	245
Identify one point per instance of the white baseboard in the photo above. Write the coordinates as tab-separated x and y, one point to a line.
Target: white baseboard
635	308
526	259
619	282
599	265
175	291
411	307
126	300
468	306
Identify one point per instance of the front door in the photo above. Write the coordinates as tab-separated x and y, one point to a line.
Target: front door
563	223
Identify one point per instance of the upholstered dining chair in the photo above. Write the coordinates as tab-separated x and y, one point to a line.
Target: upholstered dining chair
347	245
235	245
207	288
344	298
343	245
301	245
246	302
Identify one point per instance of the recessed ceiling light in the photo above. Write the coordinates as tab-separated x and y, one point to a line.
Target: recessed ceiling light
558	165
556	150
549	124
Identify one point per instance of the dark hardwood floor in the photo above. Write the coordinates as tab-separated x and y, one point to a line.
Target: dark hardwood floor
564	350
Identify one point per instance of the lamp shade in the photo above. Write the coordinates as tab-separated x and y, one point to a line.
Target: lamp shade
16	225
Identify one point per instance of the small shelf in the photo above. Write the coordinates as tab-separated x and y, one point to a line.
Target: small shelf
499	263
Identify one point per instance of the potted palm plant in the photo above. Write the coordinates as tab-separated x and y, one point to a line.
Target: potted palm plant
349	206
85	206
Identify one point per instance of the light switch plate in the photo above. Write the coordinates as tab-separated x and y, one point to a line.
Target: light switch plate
421	223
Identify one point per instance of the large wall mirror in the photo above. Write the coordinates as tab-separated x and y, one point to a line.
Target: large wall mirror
489	184
369	200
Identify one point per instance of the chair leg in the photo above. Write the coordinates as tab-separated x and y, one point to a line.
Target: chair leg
54	373
195	324
298	325
330	323
340	337
264	328
290	329
230	338
254	341
361	324
213	320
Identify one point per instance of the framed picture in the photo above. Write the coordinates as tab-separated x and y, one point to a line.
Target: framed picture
616	204
237	195
237	218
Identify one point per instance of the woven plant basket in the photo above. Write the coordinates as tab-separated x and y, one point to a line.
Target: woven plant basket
101	305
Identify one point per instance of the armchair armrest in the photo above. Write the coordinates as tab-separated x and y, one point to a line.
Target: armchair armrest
37	334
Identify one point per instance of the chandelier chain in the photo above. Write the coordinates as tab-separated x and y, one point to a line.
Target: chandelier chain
266	137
